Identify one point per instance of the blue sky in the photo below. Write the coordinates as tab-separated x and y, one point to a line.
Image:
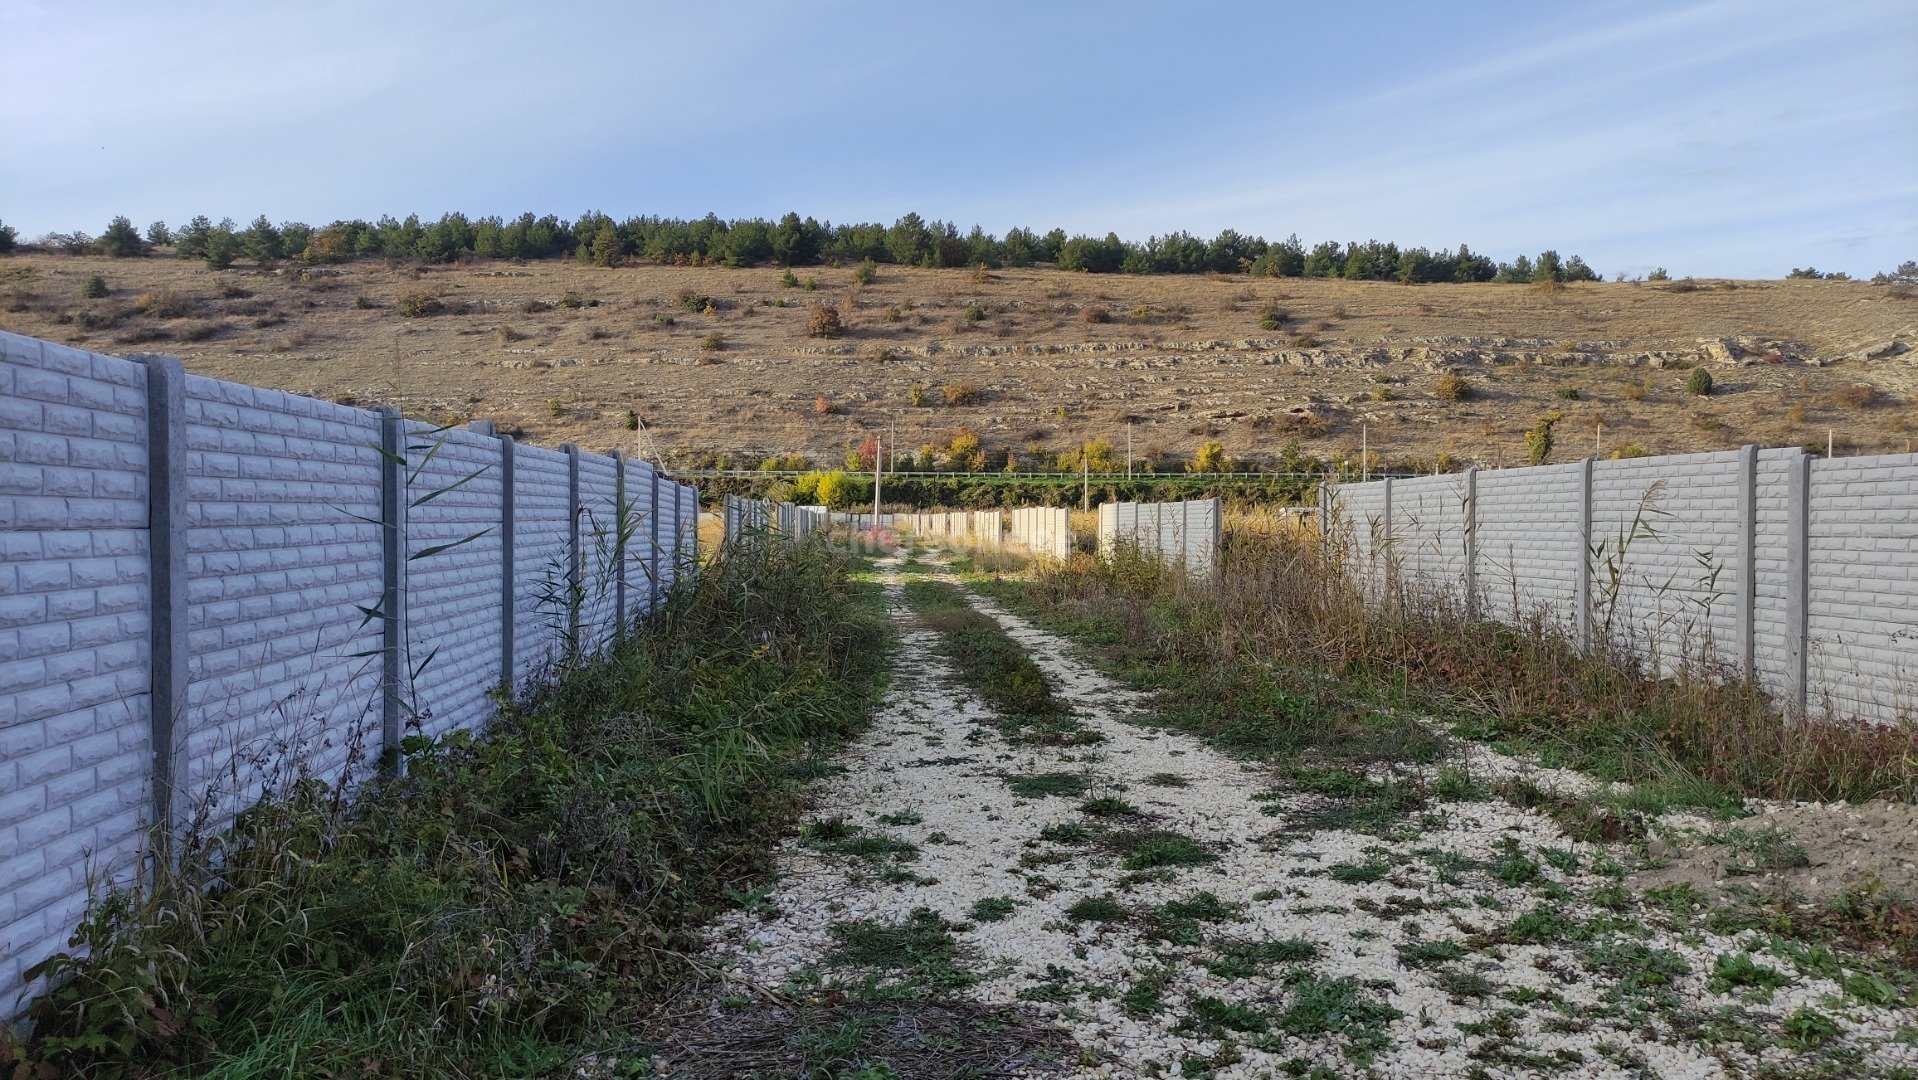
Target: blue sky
1727	137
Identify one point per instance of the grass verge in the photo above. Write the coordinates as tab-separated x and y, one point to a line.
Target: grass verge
517	899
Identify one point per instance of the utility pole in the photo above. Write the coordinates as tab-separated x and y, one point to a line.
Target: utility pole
1598	441
1085	479
1128	448
1831	442
877	475
1365	453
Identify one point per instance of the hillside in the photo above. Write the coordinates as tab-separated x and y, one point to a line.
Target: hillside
721	366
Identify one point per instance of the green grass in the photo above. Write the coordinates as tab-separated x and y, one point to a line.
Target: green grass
1321	1006
1154	849
1099	909
1040	785
992	909
998	669
1364	873
1429	953
1180	921
920	947
516	898
1246	959
1067	832
1108	806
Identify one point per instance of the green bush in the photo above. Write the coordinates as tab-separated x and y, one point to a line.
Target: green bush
95	287
864	272
1699	382
1539	440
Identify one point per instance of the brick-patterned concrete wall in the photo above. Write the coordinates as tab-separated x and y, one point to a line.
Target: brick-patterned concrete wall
278	557
1428	513
1183	532
599	547
1670	528
283	553
74	719
1529	545
1863	561
454	487
541	521
1828	605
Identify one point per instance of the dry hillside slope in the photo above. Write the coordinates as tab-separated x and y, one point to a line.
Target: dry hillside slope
722	364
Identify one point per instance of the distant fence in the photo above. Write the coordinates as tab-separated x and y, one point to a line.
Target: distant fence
977	528
192	571
1797	572
1183	532
742	518
1044	531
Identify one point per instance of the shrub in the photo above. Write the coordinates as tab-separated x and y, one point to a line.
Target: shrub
95	287
1090	315
1699	382
973	313
895	314
917	397
789	279
1141	312
506	335
823	406
863	273
692	301
1209	458
1569	393
1858	395
962	393
1452	387
1658	275
824	322
1624	451
161	304
9	238
1538	439
418	305
632	420
1272	319
714	341
553	406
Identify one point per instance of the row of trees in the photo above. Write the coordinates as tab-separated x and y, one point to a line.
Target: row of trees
598	239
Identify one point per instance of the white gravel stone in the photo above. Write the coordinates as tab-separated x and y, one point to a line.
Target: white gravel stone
931	751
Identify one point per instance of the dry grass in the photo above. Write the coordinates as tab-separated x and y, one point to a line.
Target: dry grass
1068	353
1278	605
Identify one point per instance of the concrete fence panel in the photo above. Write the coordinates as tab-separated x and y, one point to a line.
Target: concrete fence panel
208	588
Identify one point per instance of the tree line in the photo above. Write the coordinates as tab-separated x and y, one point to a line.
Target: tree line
598	239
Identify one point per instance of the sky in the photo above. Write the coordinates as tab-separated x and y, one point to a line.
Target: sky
1719	138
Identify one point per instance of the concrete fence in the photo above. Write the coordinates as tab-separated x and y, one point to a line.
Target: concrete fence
745	519
975	528
1183	532
1044	531
1797	572
196	575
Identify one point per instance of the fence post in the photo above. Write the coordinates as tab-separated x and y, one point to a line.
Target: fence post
1797	584
653	561
574	596
1384	540
619	546
508	574
167	580
1582	589
393	591
1747	643
1471	542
